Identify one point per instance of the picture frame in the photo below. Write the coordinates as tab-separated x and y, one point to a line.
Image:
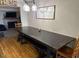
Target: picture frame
46	12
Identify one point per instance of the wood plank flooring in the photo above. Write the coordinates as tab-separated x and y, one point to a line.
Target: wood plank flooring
10	48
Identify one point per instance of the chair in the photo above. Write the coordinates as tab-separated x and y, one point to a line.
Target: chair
17	25
68	52
2	29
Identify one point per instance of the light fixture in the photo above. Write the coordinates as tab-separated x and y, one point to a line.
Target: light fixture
26	6
34	7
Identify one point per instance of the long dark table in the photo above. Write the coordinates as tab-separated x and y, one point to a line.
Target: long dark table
54	40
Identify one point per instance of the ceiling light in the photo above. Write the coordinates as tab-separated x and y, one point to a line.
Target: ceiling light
34	7
26	8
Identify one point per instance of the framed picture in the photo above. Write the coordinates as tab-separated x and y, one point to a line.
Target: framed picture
47	12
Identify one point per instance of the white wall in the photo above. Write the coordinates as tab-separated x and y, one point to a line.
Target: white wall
66	17
24	15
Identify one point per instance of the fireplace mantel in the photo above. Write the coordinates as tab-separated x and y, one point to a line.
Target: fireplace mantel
8	8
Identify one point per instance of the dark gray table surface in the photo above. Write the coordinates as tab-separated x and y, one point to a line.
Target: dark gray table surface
53	40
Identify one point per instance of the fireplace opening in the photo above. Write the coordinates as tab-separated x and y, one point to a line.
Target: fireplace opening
11	24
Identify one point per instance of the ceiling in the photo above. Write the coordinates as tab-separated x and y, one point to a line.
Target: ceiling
29	0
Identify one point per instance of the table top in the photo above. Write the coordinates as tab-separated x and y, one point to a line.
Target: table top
52	39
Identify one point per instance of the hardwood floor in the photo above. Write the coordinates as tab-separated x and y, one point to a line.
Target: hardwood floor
10	48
